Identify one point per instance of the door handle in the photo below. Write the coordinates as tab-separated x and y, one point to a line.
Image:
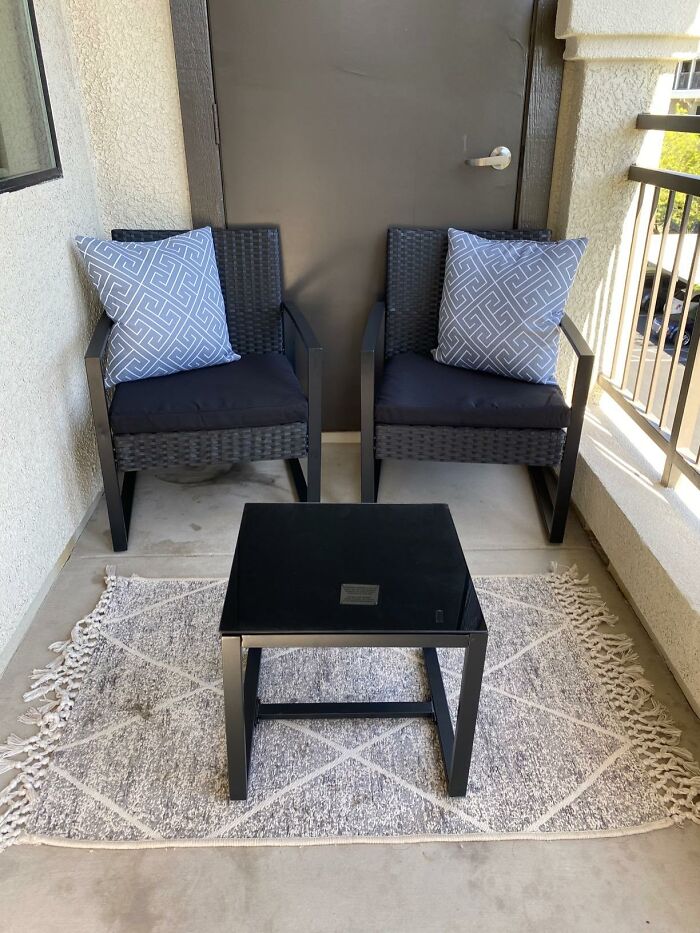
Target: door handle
499	159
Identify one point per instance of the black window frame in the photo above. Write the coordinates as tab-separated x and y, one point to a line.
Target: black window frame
26	180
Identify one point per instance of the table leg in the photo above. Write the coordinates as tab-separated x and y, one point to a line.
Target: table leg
472	672
234	712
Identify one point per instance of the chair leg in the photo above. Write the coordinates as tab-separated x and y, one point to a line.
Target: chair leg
554	509
562	497
298	479
377	477
369	469
119	500
313	468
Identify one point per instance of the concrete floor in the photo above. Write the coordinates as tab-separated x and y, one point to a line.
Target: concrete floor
646	882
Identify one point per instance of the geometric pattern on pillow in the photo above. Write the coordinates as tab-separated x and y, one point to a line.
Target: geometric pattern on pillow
165	299
502	302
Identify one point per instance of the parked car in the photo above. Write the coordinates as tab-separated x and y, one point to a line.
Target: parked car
674	322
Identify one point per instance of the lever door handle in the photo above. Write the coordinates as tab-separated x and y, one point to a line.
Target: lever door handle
499	159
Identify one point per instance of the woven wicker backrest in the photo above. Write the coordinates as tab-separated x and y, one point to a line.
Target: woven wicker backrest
249	265
415	272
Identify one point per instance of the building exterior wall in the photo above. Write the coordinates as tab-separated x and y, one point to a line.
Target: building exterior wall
591	196
124	63
113	90
46	314
620	60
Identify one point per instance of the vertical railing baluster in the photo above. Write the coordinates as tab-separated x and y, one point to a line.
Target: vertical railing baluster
640	286
628	282
653	296
678	348
668	305
651	394
681	405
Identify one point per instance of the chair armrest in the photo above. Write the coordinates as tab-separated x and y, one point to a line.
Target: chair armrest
301	325
584	372
314	371
375	319
371	362
96	387
575	338
98	341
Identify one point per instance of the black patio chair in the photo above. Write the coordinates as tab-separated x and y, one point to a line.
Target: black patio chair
416	409
253	409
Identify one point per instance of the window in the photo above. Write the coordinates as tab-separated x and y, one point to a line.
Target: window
683	71
28	152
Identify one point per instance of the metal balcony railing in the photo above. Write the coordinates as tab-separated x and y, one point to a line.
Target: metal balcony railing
655	374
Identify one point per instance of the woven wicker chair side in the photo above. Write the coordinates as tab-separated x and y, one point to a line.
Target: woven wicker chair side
200	448
249	264
469	445
414	277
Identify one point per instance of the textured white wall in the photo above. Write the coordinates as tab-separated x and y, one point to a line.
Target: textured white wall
48	459
111	74
628	18
125	66
620	62
596	143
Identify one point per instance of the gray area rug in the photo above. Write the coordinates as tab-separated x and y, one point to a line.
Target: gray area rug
129	745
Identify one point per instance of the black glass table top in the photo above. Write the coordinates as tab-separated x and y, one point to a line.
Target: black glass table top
318	568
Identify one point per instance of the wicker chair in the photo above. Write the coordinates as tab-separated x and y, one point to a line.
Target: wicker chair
140	428
416	409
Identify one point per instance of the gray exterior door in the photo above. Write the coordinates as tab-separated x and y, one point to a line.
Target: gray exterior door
338	118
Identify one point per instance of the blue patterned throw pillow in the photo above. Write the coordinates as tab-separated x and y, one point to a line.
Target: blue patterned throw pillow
165	299
502	302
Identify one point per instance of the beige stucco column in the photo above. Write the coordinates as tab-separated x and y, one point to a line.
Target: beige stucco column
619	61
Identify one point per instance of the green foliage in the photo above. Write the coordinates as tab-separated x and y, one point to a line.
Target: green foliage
680	153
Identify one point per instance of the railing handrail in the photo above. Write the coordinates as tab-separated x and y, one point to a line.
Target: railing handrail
637	390
669	122
680	182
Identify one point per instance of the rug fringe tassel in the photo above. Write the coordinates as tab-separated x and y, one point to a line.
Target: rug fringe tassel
656	739
56	685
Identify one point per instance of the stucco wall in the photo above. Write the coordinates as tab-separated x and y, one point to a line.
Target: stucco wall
48	461
620	62
591	196
111	74
624	19
125	66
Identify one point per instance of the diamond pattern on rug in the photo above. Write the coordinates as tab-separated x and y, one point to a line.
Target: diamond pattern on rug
194	772
124	687
343	675
497	797
525	625
130	596
350	733
352	800
80	816
530	592
143	753
621	793
160	633
557	675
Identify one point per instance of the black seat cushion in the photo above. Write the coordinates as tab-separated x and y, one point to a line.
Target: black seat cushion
417	390
257	390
